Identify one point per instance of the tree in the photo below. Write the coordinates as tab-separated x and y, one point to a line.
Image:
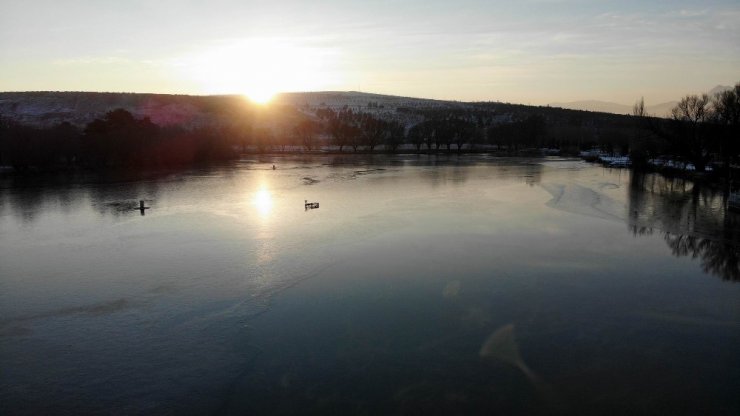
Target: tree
66	140
478	137
373	131
639	149
463	133
4	138
354	135
726	114
342	129
263	138
690	117
19	145
395	135
441	134
533	129
491	136
430	131
726	106
416	136
306	131
638	110
242	132
117	138
423	134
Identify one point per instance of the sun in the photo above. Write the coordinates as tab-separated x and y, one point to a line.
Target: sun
261	96
259	68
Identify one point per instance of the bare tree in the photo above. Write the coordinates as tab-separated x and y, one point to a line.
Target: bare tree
726	106
416	136
693	109
373	131
726	113
463	132
242	132
263	138
341	127
690	117
395	136
306	132
638	110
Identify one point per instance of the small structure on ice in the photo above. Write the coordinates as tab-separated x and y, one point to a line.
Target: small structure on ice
310	205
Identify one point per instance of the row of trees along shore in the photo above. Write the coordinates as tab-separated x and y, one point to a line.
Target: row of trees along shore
702	130
118	139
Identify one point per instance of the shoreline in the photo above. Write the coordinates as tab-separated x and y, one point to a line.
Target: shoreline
712	178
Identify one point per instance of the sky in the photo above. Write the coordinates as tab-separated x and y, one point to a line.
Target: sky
524	51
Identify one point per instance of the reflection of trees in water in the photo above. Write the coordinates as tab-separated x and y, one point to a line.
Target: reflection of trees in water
109	194
23	197
719	258
693	218
533	174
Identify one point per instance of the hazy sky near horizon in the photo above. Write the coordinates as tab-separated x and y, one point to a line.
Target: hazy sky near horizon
527	51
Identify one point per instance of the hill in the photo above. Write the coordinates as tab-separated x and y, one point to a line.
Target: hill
659	110
79	108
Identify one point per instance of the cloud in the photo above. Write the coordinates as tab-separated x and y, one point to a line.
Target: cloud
92	60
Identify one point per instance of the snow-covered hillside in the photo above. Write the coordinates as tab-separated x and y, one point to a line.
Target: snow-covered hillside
49	108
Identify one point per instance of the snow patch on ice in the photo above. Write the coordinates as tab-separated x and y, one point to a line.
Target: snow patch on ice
578	199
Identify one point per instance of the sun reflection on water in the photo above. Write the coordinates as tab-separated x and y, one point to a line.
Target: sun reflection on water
263	201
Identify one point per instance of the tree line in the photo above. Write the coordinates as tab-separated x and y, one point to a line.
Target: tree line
702	130
117	139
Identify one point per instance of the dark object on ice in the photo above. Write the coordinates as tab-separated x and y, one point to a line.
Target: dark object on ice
142	207
273	167
124	206
310	205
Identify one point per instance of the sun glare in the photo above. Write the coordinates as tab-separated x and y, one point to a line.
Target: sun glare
263	201
261	96
259	69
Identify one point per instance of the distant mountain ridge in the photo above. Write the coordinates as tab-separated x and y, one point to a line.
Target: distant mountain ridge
659	110
719	89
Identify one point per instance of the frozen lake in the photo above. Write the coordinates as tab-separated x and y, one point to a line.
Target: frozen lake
422	284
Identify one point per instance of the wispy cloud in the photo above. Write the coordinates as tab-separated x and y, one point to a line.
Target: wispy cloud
92	60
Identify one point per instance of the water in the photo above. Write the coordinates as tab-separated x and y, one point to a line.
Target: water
422	284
